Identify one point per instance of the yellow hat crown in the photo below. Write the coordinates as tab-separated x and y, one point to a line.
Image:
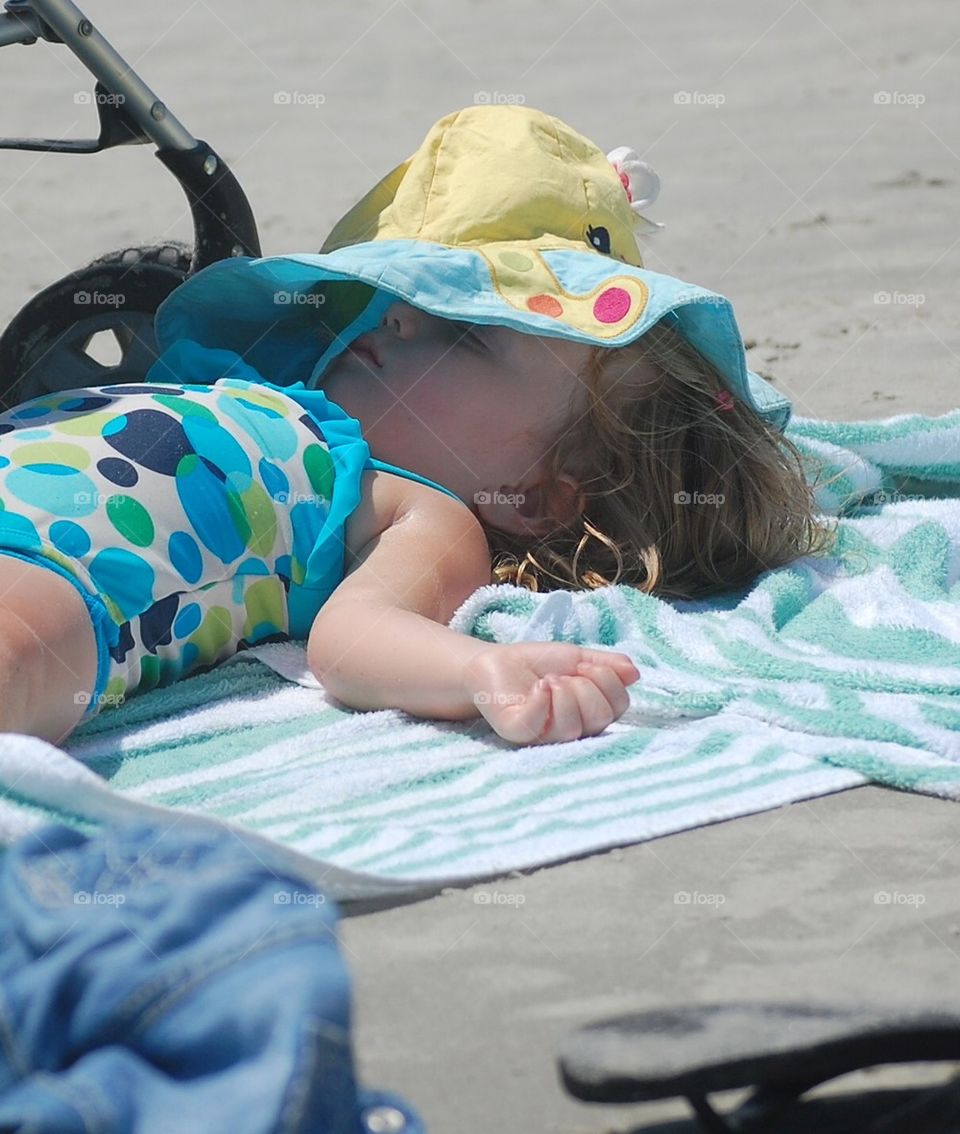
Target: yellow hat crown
492	174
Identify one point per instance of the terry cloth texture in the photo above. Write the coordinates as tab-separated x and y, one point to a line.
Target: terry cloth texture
825	674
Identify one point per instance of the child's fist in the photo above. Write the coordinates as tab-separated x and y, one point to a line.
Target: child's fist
546	692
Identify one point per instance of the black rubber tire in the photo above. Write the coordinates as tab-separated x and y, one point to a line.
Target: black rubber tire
44	349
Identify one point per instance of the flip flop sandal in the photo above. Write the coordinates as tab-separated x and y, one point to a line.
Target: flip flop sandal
781	1050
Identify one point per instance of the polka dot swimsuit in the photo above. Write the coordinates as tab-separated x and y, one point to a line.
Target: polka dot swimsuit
196	520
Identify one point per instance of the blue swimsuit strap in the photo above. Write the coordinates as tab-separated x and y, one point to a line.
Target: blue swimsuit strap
382	466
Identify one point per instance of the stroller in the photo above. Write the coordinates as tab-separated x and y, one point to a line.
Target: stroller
47	345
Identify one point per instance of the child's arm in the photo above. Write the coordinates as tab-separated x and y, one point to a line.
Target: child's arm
377	642
380	640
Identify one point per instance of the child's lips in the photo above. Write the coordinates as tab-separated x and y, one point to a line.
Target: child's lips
365	352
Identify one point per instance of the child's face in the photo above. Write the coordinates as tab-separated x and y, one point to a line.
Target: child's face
474	408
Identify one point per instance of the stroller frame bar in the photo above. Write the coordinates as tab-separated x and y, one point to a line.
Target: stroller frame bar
61	21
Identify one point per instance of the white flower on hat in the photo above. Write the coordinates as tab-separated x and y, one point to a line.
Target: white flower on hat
640	183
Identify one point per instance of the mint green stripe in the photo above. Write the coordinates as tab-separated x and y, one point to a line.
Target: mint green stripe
437	863
491	819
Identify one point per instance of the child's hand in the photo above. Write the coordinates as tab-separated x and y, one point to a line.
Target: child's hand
545	692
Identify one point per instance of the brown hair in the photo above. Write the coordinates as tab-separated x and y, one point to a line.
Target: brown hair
688	491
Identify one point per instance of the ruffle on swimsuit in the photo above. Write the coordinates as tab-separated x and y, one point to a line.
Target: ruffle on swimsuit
193	516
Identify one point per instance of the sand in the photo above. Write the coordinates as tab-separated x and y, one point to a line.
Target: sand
809	159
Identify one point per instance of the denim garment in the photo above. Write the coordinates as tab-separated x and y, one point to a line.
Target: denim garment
159	978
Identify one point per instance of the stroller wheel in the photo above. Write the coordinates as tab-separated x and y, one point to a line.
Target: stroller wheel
93	327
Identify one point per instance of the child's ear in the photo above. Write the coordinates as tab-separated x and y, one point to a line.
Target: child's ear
530	510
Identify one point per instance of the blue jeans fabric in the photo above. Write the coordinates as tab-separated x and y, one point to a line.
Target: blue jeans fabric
160	978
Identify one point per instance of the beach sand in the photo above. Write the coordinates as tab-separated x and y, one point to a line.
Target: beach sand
810	169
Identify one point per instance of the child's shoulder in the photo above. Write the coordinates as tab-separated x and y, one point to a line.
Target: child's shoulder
385	498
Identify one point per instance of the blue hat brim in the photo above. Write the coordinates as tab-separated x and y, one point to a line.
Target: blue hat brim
267	309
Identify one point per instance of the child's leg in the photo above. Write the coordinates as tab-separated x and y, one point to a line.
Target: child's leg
48	652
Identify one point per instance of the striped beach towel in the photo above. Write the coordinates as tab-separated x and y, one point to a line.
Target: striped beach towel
826	674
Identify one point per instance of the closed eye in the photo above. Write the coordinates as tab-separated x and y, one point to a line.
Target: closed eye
469	334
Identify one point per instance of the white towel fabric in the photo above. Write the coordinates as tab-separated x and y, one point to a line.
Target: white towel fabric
824	675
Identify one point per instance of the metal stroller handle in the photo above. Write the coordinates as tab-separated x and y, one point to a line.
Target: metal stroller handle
131	114
60	21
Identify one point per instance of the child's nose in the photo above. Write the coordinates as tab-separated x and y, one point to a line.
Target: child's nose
402	320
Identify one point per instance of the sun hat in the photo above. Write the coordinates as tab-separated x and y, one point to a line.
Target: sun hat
504	215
